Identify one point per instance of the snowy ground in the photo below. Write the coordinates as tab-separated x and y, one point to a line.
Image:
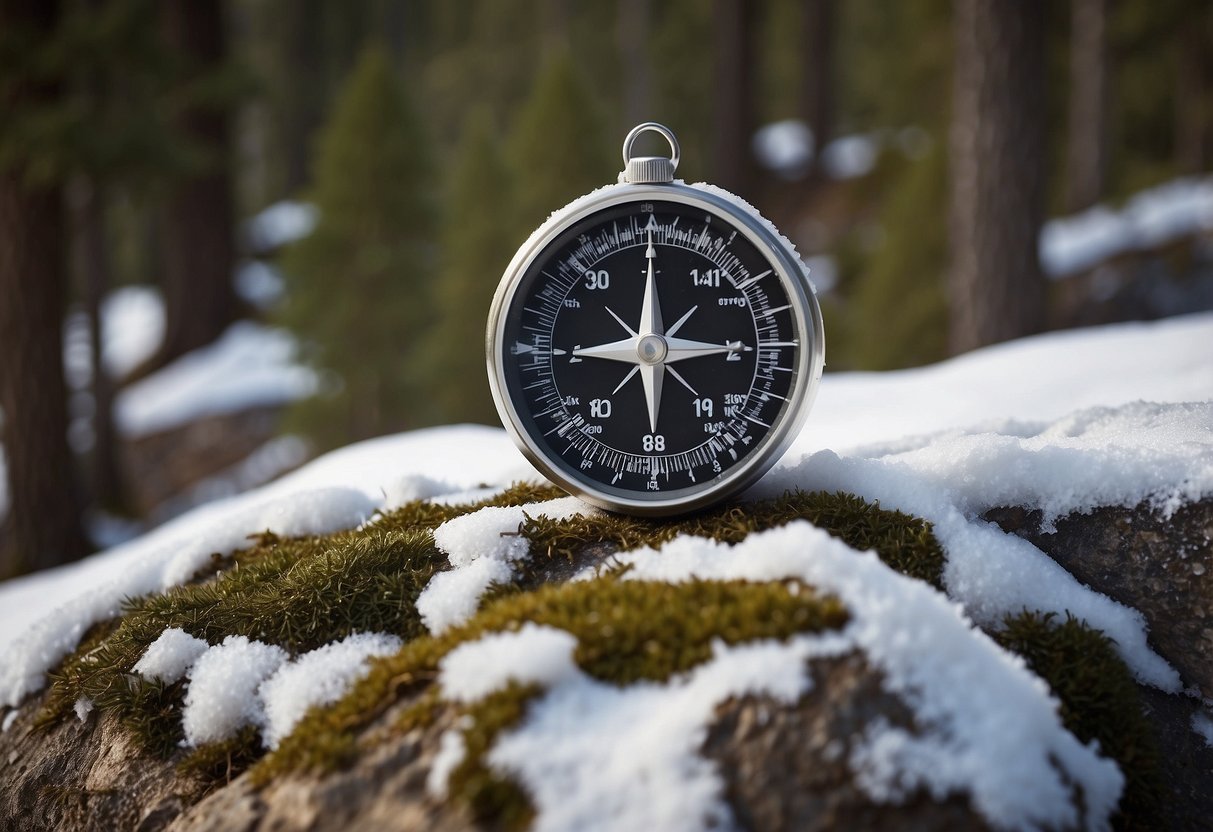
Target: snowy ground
250	365
1116	415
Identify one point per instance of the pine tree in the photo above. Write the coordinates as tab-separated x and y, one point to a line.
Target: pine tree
558	149
43	525
477	244
899	316
358	285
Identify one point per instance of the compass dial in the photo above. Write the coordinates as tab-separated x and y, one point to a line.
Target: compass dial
653	350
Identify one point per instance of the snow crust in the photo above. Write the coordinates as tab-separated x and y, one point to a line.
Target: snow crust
221	697
319	677
1044	377
452	597
169	657
1156	453
594	756
492	532
533	654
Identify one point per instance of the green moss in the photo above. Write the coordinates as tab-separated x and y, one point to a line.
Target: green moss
905	543
298	593
490	797
1099	701
626	631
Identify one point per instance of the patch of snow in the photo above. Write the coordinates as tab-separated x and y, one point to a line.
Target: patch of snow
132	327
9	719
849	157
532	655
280	224
221	697
451	751
169	657
785	147
577	780
481	546
83	707
492	532
259	283
319	677
1202	725
251	365
1161	454
1150	219
961	686
453	596
43	616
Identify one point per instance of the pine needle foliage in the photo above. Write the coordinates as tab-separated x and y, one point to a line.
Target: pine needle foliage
557	148
899	313
477	243
905	543
1099	701
373	240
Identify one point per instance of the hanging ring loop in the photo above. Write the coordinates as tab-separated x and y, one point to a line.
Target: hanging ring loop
654	127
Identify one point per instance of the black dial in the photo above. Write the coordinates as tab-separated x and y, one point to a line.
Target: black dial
649	348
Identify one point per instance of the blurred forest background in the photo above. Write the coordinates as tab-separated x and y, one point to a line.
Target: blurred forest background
236	234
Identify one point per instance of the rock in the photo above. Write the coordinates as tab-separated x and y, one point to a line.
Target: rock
89	775
786	768
1161	567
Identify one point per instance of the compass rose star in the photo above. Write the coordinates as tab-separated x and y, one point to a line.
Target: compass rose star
649	347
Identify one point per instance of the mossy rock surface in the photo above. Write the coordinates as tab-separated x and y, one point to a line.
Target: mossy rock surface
363	761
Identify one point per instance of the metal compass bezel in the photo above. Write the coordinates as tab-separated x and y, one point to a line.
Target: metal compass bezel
810	357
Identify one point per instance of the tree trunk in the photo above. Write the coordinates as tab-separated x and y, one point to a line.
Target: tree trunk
1087	151
88	204
734	109
197	220
306	89
634	28
996	288
43	524
1194	93
817	99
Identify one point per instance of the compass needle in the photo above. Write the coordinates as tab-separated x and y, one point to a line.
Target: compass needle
595	416
626	379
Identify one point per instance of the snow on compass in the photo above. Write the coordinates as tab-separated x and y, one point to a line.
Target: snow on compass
654	346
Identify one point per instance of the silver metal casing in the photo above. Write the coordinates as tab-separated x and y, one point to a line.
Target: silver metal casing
810	356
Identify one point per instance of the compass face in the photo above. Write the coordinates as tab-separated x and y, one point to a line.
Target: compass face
653	352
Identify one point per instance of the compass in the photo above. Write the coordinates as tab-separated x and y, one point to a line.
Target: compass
654	347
